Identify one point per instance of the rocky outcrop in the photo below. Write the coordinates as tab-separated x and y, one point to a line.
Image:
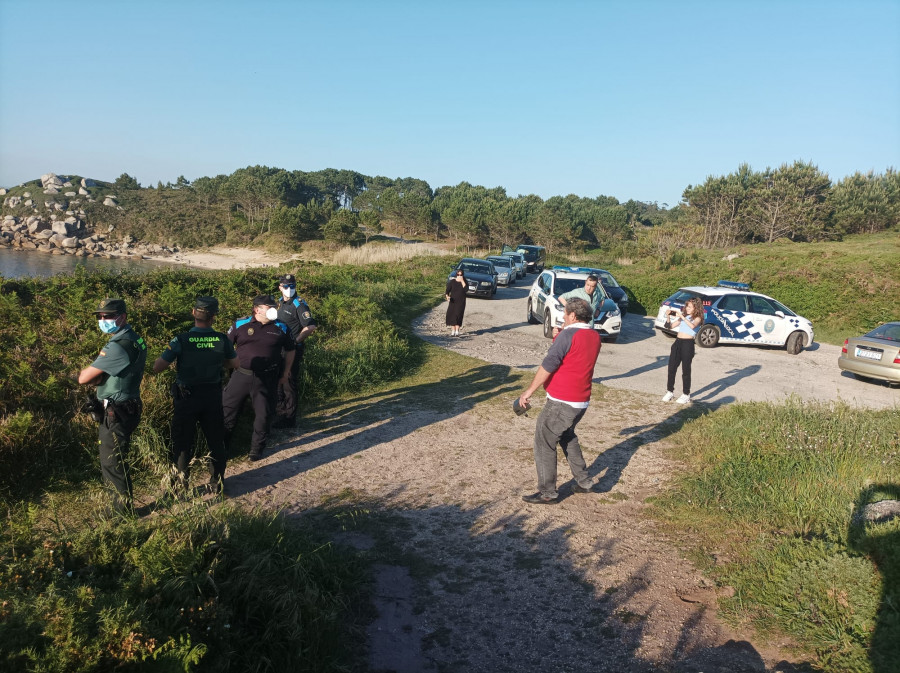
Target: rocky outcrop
61	227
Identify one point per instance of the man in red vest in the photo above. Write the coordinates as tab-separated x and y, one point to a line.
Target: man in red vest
566	375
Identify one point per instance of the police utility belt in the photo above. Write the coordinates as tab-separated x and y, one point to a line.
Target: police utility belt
97	409
249	372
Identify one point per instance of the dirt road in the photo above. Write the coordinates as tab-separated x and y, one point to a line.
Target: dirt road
496	331
470	578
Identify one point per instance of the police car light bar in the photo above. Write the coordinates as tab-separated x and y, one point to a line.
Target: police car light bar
734	285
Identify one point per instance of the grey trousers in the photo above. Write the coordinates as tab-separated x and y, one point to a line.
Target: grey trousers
556	425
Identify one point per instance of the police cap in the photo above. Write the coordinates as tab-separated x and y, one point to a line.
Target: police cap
264	300
287	279
208	304
111	305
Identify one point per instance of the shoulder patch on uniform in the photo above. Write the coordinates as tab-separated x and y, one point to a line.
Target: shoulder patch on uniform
102	353
306	315
242	321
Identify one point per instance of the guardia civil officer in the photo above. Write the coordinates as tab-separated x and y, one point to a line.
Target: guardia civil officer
265	354
199	356
117	372
294	313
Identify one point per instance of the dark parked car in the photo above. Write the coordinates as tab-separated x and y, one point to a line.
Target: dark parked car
875	355
534	256
481	276
613	290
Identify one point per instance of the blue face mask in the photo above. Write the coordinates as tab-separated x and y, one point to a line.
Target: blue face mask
108	326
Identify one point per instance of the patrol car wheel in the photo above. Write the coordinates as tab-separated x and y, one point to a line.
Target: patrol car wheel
529	315
707	337
795	343
548	326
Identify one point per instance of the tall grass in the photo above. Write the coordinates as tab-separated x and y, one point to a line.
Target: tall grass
375	253
766	504
192	589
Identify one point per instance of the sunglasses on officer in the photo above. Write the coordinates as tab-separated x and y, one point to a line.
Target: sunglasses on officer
107	316
288	286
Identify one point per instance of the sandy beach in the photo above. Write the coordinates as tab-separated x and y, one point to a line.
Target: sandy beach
223	257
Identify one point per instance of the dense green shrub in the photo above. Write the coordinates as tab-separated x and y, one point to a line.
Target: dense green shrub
191	589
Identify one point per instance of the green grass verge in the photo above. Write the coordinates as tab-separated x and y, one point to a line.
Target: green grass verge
845	288
765	506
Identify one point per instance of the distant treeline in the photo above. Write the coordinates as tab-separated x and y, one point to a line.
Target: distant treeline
795	201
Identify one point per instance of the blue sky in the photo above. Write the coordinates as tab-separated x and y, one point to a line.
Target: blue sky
631	99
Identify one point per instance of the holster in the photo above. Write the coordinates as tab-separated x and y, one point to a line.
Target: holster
94	408
180	392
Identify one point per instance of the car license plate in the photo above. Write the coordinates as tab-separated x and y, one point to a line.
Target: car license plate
868	355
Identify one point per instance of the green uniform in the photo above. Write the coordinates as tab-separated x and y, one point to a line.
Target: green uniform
122	361
592	299
200	355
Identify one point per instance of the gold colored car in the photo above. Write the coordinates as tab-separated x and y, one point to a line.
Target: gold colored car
875	355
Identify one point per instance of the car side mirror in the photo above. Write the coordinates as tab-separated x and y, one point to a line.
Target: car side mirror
780	314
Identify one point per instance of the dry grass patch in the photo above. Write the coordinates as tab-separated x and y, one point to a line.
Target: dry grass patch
379	252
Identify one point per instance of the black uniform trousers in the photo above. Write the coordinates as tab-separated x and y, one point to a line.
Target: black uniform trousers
682	353
261	388
120	420
202	404
286	409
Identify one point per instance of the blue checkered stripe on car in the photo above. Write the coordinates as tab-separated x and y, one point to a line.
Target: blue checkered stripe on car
735	325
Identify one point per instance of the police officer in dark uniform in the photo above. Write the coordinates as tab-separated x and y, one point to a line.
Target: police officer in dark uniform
294	313
200	355
117	371
265	354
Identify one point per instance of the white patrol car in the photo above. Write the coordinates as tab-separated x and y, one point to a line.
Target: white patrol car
544	306
734	315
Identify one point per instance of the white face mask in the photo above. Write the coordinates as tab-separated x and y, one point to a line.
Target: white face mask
288	292
272	314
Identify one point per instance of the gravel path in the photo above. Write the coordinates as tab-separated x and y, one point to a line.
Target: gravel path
469	578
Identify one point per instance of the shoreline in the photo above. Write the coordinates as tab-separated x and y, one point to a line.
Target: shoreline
218	258
223	258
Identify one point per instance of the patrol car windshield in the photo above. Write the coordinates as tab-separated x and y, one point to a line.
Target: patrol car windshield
682	296
563	285
607	279
475	268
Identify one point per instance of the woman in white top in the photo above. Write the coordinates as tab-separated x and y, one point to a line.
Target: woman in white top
686	323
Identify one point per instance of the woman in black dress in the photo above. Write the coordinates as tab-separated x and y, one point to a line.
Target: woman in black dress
456	293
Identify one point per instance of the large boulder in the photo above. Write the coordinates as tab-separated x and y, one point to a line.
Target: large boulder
13	201
82	191
51	180
36	226
26	195
51	190
71	242
87	182
110	201
3	191
70	194
61	228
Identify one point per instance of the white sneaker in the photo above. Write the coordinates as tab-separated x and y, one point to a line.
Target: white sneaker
683	399
668	396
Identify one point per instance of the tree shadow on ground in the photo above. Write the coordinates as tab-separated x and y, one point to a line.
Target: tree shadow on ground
712	390
613	461
881	544
458	589
375	416
659	362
